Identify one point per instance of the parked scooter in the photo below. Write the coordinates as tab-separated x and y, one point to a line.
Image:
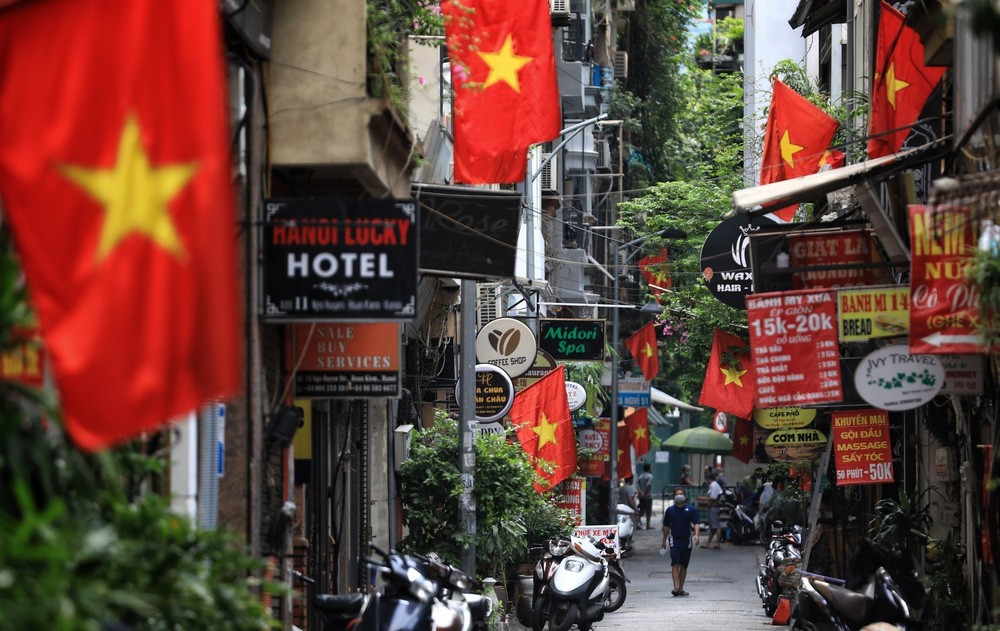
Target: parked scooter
577	591
617	590
741	524
781	561
533	611
626	529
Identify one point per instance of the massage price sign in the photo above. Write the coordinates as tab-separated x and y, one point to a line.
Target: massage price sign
793	335
862	449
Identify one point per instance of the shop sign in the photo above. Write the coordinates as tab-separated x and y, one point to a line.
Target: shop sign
572	340
794	445
543	364
893	379
597	443
633	392
494	393
832	249
340	259
508	344
345	360
572	496
944	305
576	394
725	259
24	362
599	532
963	374
783	418
864	314
861	445
794	340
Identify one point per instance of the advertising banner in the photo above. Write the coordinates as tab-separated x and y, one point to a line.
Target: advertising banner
783	418
794	445
345	360
599	532
837	249
572	496
340	259
793	337
862	450
943	303
864	314
597	443
963	374
572	340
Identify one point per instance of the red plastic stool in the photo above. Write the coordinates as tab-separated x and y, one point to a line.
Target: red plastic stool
783	613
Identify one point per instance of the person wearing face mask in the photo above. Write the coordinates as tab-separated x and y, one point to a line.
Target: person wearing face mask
677	522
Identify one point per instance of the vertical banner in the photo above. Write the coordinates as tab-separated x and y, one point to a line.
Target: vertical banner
862	450
572	497
793	336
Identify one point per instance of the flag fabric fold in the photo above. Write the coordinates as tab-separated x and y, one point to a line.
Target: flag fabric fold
115	177
795	140
637	424
902	83
642	345
729	382
504	78
545	429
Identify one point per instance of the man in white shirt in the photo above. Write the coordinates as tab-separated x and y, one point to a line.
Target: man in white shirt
714	523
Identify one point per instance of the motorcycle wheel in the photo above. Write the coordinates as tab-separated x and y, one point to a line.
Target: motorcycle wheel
616	593
539	612
562	618
770	605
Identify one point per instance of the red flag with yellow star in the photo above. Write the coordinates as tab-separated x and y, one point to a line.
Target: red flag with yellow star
116	179
743	440
642	345
504	78
902	83
638	430
729	384
654	269
795	140
545	429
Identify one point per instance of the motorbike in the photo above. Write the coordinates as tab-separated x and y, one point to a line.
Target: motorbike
533	611
626	529
617	590
577	590
885	588
741	524
418	593
779	572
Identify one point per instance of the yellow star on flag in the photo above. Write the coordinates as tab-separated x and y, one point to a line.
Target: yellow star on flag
744	440
733	376
134	193
546	432
893	85
504	65
640	432
649	350
788	150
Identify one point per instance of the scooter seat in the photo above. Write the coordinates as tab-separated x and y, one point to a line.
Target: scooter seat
852	604
480	606
339	604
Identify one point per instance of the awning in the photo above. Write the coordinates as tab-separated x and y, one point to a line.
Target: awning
661	397
658	419
813	15
765	198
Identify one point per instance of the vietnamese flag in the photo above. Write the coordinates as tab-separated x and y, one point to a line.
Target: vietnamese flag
795	140
902	83
116	179
544	427
504	77
743	440
642	345
729	384
654	270
637	424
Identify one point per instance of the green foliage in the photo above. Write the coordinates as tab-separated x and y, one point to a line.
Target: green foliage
389	24
901	522
509	513
985	275
946	578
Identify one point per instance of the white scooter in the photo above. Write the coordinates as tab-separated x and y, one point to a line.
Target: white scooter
626	528
579	588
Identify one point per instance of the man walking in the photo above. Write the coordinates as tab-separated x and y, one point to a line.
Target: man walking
714	521
644	488
677	522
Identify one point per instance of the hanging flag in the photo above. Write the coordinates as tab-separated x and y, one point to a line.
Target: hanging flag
902	83
116	179
832	158
656	272
642	345
624	452
729	384
637	424
795	139
504	77
743	440
544	427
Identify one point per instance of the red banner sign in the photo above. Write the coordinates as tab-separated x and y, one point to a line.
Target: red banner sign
834	248
794	340
943	304
571	497
596	442
862	450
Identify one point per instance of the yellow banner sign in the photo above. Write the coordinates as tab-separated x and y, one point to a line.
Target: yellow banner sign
783	418
874	312
793	445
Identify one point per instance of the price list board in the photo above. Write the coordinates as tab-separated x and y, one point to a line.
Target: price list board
793	336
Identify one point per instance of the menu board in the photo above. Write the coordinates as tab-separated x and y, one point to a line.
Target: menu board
793	336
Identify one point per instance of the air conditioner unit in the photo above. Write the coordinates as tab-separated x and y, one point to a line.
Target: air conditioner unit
489	304
621	65
559	7
603	153
549	176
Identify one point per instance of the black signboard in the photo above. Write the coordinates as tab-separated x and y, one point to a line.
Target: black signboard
340	259
467	232
725	259
572	340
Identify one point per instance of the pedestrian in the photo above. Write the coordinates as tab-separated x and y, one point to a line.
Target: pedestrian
718	477
678	520
749	486
644	490
714	521
627	495
686	475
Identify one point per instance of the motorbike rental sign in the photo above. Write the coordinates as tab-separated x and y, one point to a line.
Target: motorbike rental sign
340	259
